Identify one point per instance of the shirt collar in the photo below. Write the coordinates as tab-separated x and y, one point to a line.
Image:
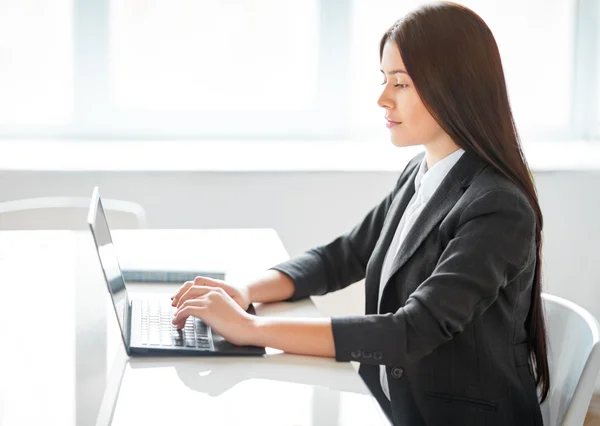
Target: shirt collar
427	181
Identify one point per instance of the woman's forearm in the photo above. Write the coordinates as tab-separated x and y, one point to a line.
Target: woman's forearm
303	336
272	286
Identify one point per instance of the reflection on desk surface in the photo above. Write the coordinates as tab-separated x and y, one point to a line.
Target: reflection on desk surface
283	390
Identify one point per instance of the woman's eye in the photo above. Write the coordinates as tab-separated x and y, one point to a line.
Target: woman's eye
402	86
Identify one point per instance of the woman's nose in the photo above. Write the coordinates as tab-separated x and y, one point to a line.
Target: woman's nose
384	101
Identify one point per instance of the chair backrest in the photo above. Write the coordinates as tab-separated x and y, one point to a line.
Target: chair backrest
574	357
67	213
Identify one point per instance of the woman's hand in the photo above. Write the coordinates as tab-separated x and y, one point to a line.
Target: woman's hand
197	288
220	311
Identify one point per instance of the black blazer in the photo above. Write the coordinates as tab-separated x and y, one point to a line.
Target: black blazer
451	332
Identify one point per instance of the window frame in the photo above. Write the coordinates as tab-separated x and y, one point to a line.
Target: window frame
585	121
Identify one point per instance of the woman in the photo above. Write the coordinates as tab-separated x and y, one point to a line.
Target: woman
454	332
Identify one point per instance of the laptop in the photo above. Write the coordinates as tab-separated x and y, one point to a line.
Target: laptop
145	324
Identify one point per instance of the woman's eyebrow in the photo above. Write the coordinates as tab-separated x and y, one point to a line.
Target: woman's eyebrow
398	71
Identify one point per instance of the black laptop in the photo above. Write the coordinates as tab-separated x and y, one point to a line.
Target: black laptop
146	323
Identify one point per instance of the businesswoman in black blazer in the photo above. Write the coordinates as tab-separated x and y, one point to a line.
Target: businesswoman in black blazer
453	332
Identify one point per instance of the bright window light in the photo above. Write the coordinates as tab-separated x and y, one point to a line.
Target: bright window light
36	62
252	55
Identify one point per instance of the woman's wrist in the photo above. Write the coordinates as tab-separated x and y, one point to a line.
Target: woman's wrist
245	293
247	290
253	331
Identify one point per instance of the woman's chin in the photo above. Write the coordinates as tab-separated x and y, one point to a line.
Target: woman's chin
401	142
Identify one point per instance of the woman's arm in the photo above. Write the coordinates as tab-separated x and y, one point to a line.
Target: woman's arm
272	286
303	336
495	235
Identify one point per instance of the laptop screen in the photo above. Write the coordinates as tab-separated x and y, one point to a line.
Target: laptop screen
109	262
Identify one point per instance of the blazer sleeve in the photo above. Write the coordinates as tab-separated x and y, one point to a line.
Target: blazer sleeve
344	260
493	244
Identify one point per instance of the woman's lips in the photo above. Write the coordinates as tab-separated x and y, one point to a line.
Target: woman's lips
389	124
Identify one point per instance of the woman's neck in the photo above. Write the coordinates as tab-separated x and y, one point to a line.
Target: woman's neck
438	150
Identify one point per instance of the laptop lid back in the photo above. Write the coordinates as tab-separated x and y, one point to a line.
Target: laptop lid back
110	264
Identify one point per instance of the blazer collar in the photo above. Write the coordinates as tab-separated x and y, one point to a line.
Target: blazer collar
443	199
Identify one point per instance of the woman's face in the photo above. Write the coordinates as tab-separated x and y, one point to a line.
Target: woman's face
406	116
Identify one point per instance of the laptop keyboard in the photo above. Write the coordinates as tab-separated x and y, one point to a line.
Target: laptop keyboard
157	329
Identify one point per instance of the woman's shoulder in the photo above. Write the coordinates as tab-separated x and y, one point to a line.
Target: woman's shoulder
492	180
493	187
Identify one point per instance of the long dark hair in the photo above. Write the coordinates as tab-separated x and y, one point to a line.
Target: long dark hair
451	55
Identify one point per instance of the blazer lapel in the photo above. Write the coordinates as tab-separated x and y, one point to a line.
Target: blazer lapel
395	212
442	201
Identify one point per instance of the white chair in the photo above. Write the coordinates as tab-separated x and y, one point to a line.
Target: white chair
67	213
574	356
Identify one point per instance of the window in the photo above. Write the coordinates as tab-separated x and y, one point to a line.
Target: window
35	63
237	68
598	72
206	56
265	69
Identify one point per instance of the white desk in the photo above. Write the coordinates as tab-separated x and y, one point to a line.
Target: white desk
62	361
